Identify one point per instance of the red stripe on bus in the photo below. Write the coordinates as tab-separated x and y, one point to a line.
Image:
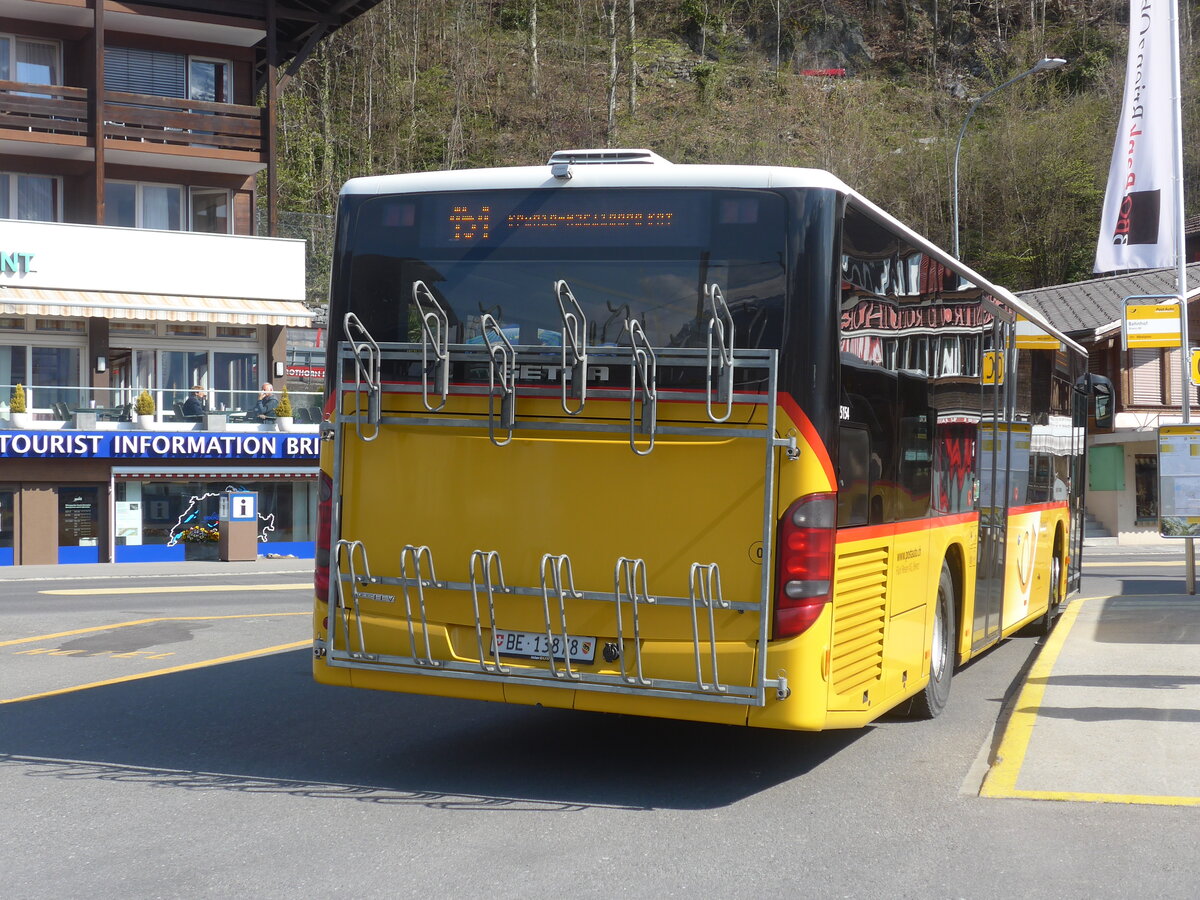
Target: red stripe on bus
809	433
1037	507
866	532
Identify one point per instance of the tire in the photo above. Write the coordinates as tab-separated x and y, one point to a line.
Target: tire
1045	624
932	700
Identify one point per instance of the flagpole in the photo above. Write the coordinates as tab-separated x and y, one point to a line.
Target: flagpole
1185	368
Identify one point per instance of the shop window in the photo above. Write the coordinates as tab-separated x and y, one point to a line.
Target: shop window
144	328
12	369
7	526
1145	473
234	331
183	329
72	326
181	370
12	323
235	380
55	376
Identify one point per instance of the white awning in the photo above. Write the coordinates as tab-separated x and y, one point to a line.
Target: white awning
153	307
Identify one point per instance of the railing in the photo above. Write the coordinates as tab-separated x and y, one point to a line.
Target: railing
43	107
60	403
58	109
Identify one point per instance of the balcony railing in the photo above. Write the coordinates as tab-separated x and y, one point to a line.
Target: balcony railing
58	109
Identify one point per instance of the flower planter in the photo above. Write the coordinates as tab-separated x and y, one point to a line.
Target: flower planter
284	423
21	419
200	551
146	422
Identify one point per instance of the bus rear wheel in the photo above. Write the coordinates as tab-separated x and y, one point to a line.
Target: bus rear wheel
1054	602
932	700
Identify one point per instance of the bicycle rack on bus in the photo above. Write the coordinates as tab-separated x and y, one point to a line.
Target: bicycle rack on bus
630	589
575	360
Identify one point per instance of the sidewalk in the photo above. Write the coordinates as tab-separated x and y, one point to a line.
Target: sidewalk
301	568
1110	709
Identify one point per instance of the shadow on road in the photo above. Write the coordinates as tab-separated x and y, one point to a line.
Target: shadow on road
263	725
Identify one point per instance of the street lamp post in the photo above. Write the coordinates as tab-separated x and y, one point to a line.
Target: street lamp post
1042	65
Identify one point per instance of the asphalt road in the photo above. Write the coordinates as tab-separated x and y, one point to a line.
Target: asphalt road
245	777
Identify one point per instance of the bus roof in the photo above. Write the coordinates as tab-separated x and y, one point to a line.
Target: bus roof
597	168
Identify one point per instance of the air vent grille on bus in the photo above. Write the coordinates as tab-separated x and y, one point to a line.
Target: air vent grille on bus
608	157
859	611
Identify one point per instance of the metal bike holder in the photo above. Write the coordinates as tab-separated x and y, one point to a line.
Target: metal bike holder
643	369
500	355
417	556
354	550
574	349
720	339
435	342
705	583
562	582
366	355
629	580
483	562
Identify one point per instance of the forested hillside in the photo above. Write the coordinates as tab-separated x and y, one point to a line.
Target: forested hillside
431	84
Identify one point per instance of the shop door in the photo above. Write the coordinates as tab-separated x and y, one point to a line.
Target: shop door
79	529
8	525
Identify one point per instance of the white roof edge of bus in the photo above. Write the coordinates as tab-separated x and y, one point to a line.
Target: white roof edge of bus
685	175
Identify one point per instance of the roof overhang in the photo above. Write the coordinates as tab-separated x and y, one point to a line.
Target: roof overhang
153	307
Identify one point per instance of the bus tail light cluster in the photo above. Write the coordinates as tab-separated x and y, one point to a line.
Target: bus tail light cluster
805	563
324	537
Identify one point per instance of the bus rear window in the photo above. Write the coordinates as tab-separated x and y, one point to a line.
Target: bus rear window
626	254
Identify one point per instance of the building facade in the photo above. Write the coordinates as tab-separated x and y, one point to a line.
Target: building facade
135	139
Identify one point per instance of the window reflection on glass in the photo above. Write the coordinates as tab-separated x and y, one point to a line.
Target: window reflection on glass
235	380
55	376
210	80
12	369
210	211
287	510
120	204
37	62
30	197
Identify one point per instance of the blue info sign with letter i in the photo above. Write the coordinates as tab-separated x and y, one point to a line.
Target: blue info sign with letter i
243	506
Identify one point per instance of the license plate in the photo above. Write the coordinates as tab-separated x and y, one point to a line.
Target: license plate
531	645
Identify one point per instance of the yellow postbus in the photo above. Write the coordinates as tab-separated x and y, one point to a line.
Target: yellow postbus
718	443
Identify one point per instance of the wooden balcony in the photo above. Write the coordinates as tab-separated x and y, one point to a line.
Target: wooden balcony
134	122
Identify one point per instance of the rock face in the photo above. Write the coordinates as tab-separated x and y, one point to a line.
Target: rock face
834	41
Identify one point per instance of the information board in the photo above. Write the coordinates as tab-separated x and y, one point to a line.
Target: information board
1179	481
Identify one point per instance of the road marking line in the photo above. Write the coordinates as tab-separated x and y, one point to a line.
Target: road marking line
47	637
1131	565
1001	779
195	589
249	654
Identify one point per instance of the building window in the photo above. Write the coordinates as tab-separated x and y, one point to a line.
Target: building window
153	72
61	326
146	328
55	377
210	80
235	380
135	205
237	332
210	210
34	198
29	61
183	329
12	323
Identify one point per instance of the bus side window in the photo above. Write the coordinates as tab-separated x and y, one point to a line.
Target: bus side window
854	475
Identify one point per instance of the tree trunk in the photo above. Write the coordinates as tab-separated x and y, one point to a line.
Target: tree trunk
610	12
632	59
533	48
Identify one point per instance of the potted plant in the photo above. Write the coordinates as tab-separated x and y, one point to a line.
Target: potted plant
143	408
18	412
283	412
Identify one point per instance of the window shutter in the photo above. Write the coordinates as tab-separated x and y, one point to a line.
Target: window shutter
1145	375
152	72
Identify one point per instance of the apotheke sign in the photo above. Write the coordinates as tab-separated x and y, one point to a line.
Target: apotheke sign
125	445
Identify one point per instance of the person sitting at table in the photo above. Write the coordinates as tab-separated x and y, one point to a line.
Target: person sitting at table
264	408
193	406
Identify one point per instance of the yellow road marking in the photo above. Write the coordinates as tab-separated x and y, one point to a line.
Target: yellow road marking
47	637
195	589
1001	779
184	668
1130	565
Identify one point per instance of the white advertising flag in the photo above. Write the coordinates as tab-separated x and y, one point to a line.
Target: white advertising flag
1137	226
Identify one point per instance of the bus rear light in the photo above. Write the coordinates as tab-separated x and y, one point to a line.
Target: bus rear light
805	563
324	538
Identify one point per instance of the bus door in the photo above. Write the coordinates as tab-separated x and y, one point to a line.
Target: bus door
992	473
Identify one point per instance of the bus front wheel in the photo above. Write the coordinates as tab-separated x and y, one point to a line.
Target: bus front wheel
932	700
